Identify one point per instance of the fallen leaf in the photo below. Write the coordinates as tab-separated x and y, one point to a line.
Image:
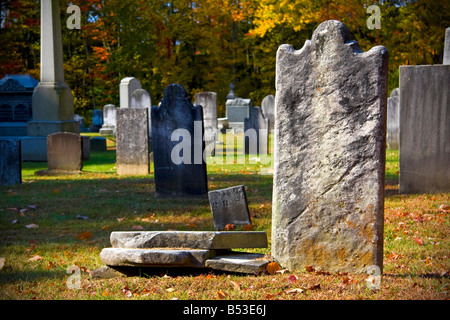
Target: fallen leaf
85	235
126	291
230	227
121	219
444	208
105	293
137	227
35	258
292	278
295	290
2	262
105	227
32	226
273	267
236	285
419	241
248	227
282	271
170	290
314	287
190	225
221	294
55	191
310	269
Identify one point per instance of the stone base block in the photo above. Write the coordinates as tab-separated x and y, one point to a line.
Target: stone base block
253	263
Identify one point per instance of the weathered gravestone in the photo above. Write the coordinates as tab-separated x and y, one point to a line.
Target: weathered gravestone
329	153
268	109
256	131
236	111
10	162
140	98
424	153
126	88
65	151
446	59
98	144
132	145
109	120
178	146
393	120
229	206
208	101
97	120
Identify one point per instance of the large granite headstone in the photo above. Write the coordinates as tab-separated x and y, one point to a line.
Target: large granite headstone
10	162
393	120
109	120
328	192
268	109
132	145
65	151
178	146
208	101
229	206
256	131
140	98
236	111
127	86
424	156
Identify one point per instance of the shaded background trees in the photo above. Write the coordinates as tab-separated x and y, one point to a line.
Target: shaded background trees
207	44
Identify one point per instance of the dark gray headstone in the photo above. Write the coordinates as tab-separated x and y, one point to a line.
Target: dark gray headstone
178	146
10	162
256	131
97	120
98	144
86	147
268	109
424	129
65	151
229	206
393	120
132	142
330	144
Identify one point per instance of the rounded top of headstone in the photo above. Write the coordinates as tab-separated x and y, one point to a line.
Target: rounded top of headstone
331	30
395	92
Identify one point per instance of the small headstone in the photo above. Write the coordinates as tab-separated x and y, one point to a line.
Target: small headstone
127	87
328	190
86	147
65	151
256	130
140	98
222	125
109	120
98	144
393	120
178	146
229	206
424	129
10	162
132	145
80	120
236	111
268	109
208	101
446	59
97	120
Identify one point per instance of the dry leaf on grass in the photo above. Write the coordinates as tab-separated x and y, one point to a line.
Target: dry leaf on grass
32	226
221	294
137	227
230	227
236	285
35	258
273	267
444	208
85	235
295	290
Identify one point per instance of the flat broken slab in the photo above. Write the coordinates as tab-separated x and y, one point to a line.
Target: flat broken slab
155	257
189	239
242	262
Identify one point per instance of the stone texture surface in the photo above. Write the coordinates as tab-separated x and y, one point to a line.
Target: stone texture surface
268	109
109	120
393	120
177	132
127	86
208	101
155	257
424	129
229	206
10	162
252	263
256	130
140	98
65	151
132	145
236	111
328	193
446	59
189	239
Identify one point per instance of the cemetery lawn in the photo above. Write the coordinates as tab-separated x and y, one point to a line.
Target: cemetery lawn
48	224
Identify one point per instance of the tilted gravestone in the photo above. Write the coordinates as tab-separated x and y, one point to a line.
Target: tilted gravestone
178	146
65	151
127	86
208	101
109	120
229	206
256	131
424	153
10	162
330	143
140	98
268	109
393	120
132	142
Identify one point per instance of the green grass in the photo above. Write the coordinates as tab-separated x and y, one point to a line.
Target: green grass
120	203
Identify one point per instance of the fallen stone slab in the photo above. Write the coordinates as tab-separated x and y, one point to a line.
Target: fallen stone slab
189	239
242	262
155	257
